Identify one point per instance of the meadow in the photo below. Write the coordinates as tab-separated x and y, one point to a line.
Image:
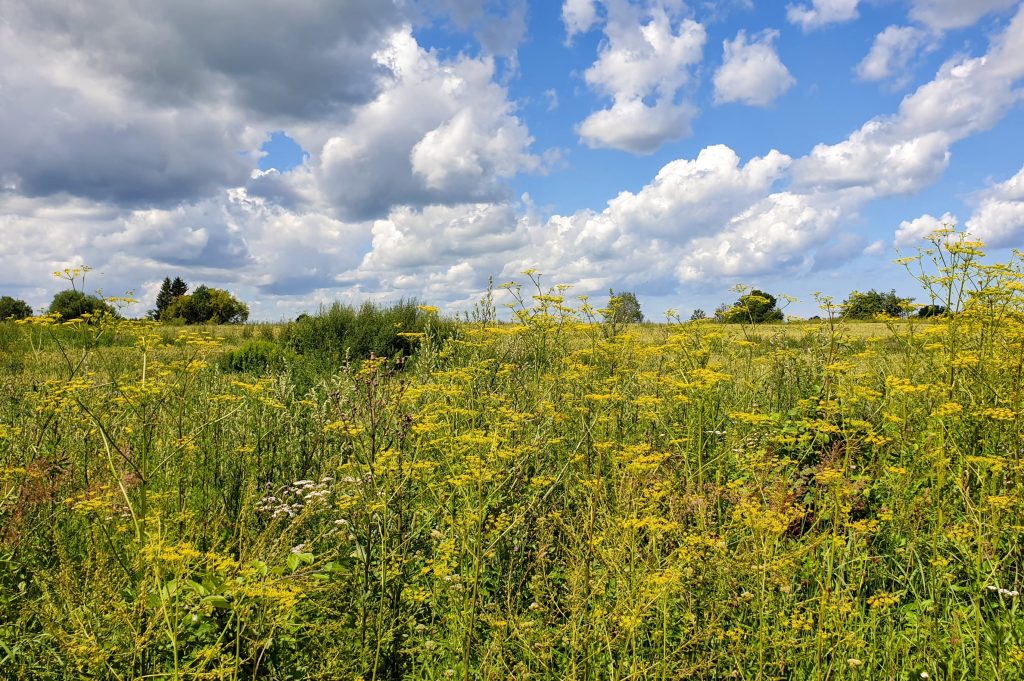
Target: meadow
553	497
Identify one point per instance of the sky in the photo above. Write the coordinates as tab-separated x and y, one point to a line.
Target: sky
302	152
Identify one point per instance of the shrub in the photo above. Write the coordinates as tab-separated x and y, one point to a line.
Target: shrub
12	308
341	331
931	311
254	357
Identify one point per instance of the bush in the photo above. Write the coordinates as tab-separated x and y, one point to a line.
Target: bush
341	331
72	304
207	306
12	308
254	357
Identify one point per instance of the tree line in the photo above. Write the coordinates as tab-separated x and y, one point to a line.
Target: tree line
174	303
206	305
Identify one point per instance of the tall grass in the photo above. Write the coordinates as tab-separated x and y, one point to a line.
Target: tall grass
554	498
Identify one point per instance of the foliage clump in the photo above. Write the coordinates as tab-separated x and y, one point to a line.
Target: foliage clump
342	332
169	292
624	308
206	305
255	357
753	307
13	308
870	304
73	304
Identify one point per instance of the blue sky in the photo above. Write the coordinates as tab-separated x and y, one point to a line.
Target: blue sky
370	149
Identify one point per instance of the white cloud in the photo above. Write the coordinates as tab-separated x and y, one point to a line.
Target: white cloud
634	126
439	132
944	15
751	72
893	51
693	198
874	248
909	150
775	235
405	191
999	218
642	66
821	13
910	232
579	16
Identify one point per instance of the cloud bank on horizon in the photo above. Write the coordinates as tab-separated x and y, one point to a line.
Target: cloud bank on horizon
667	147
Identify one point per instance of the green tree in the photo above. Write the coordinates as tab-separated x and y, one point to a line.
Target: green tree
625	308
868	304
931	311
169	292
756	307
12	308
698	315
72	304
207	305
178	288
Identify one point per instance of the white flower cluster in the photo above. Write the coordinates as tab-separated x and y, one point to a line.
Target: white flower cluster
1004	592
291	499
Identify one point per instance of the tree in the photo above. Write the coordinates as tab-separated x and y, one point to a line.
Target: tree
72	304
207	306
931	311
756	307
866	305
169	292
697	315
178	288
12	308
625	308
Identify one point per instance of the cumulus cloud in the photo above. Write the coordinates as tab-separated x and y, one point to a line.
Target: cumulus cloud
909	150
441	132
642	66
910	232
998	219
892	52
578	16
692	198
821	13
775	235
405	190
751	72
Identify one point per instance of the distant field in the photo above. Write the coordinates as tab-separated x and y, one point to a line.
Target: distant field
536	500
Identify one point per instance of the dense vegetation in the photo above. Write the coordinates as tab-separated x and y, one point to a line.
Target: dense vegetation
549	498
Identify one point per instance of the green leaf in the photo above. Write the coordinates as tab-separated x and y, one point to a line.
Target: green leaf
218	602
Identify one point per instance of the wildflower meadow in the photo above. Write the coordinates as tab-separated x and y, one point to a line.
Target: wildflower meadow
554	495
